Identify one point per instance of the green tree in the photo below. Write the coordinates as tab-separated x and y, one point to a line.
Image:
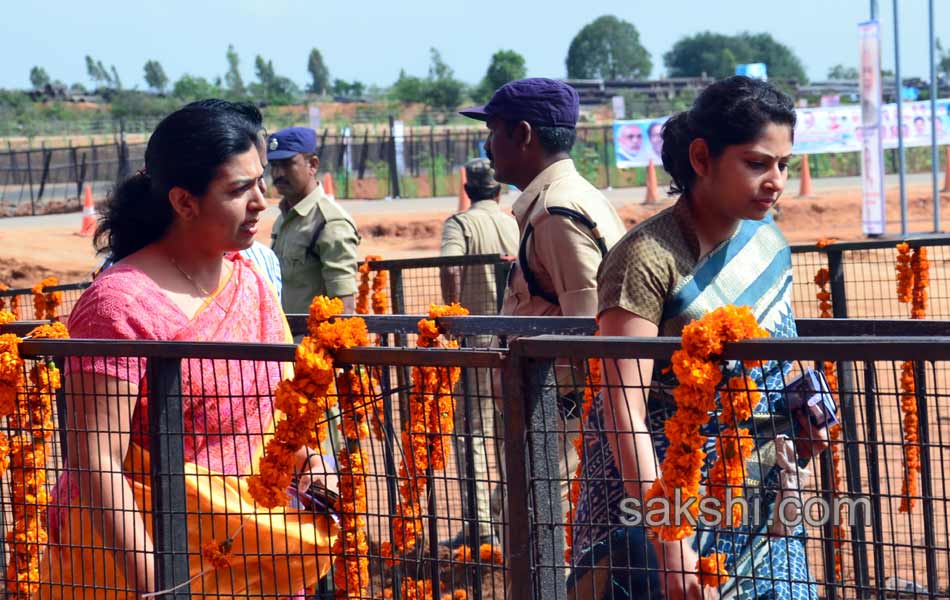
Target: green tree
233	79
440	90
97	72
608	48
443	90
116	82
716	55
271	87
943	60
408	88
839	72
319	74
155	76
39	78
781	61
347	89
505	66
190	88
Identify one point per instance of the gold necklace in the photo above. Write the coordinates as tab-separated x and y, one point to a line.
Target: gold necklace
200	289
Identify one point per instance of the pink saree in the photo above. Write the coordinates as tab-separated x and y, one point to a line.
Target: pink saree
228	414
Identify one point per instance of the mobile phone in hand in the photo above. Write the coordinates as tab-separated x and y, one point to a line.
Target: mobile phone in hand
810	393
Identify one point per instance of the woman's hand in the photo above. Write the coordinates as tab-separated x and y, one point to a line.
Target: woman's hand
313	468
810	441
679	579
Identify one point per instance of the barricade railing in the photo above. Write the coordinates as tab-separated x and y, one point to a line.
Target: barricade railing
879	551
863	282
24	299
891	551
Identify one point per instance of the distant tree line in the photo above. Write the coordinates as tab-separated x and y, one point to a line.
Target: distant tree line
606	48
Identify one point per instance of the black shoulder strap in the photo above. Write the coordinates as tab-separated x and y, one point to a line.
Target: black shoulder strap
461	225
318	226
533	287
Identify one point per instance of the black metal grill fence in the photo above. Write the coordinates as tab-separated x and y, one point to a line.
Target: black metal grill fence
40	181
863	281
882	552
24	299
423	162
893	550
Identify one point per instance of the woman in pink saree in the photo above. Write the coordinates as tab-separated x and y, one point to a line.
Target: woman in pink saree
175	230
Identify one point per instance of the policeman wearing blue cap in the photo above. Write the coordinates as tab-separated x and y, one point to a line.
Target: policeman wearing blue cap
566	225
315	239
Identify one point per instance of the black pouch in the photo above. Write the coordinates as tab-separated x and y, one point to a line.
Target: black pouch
318	499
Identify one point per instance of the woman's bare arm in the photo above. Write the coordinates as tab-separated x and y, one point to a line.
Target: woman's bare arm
99	410
625	414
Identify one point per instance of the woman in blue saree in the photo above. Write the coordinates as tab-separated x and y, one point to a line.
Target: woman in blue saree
728	158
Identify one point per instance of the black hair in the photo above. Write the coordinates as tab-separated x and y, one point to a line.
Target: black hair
553	140
477	192
919	118
185	150
729	112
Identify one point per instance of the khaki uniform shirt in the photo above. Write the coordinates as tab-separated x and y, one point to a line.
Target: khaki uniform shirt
562	254
482	229
330	268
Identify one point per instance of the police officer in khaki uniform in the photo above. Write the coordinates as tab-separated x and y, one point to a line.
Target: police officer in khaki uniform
482	229
315	239
566	225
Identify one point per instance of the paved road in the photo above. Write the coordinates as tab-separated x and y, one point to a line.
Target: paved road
619	197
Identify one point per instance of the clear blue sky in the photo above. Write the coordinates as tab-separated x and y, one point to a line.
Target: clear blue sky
371	40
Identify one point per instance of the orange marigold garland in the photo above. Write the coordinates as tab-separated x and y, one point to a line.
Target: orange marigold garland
830	371
217	555
380	298
913	279
45	303
305	399
362	298
380	301
591	389
15	306
32	419
351	575
431	409
697	371
734	446
698	374
712	569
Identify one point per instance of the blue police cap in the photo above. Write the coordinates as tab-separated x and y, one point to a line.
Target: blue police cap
539	101
292	140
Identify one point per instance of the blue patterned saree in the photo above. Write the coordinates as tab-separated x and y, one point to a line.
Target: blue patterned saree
613	560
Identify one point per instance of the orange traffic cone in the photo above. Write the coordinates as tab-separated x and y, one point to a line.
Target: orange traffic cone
328	185
464	201
804	189
652	194
88	213
946	171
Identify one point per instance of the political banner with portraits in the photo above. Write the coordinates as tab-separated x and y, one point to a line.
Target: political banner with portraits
819	130
638	142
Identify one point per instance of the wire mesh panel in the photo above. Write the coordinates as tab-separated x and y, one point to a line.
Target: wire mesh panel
154	493
869	516
476	281
805	266
434	490
20	300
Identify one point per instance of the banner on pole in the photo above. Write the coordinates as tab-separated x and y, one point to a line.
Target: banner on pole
872	148
399	137
313	112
